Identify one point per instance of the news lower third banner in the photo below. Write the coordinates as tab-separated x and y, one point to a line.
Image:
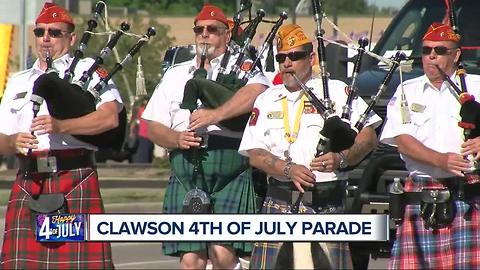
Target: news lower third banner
212	227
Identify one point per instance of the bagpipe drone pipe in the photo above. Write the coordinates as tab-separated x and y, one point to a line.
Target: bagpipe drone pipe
213	94
352	91
336	135
66	100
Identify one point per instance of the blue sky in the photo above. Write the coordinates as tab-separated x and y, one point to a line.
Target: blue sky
388	3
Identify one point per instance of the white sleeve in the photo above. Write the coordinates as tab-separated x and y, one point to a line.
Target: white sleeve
8	116
253	136
157	108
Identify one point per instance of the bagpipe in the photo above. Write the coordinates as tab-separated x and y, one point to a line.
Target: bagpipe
351	89
68	99
213	94
470	109
336	134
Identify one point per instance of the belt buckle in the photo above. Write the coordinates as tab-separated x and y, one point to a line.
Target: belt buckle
47	164
307	197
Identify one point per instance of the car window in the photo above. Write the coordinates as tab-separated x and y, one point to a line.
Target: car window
407	31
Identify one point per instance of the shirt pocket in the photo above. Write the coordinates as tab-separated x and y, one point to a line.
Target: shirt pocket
274	132
421	125
313	124
18	105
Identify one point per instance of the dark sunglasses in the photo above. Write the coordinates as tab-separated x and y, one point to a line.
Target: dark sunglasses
293	56
439	50
52	32
212	29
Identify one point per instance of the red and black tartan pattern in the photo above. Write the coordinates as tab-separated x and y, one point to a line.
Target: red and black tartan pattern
21	250
264	254
454	247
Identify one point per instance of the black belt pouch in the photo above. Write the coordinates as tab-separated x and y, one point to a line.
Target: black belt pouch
53	203
437	208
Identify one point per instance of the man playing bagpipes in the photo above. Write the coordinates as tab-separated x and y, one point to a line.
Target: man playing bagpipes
208	174
281	139
425	120
57	171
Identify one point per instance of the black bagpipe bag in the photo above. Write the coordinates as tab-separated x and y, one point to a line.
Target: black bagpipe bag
65	101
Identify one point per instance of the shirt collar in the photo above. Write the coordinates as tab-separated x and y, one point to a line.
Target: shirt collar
445	85
214	63
63	61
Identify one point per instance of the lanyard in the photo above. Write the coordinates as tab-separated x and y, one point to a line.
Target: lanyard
291	136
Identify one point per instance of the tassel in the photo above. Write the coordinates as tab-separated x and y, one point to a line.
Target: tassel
140	81
269	66
404	112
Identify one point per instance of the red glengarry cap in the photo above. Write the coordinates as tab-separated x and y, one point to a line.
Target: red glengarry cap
211	12
52	13
440	32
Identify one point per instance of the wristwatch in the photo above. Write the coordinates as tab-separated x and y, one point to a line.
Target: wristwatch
343	161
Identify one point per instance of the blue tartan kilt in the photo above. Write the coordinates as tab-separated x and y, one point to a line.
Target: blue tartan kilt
264	254
453	247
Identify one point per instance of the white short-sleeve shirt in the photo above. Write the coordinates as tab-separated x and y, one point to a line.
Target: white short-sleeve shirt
266	129
16	109
434	116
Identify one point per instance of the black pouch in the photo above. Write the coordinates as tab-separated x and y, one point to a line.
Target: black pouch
437	208
196	201
45	204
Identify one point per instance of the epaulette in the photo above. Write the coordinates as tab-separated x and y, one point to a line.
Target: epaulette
414	80
20	73
273	93
179	64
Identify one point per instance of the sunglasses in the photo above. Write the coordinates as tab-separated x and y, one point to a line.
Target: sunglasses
293	56
439	50
212	29
52	32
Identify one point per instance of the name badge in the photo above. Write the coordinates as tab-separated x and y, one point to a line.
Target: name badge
275	115
418	107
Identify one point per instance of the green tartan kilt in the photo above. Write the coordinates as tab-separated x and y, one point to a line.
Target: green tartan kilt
225	176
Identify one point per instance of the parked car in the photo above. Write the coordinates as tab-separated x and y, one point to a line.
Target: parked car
370	180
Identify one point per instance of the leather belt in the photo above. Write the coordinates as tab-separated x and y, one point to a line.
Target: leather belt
57	160
322	192
469	193
216	142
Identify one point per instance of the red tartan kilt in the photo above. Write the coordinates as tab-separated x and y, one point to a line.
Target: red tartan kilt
20	248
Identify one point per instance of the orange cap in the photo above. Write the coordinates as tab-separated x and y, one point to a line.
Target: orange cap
52	13
440	32
211	12
291	36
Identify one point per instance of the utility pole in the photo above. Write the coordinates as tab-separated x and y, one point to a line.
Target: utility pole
335	18
23	34
292	13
